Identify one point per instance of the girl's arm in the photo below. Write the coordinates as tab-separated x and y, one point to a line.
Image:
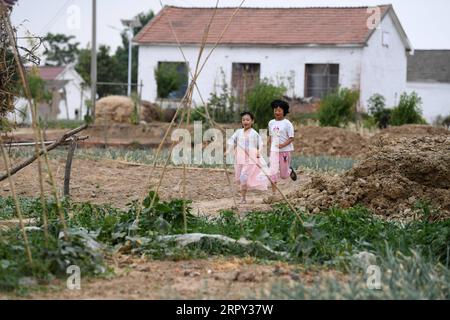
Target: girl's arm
289	141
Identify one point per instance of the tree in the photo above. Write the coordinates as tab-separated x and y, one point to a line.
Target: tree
122	51
107	70
60	50
169	79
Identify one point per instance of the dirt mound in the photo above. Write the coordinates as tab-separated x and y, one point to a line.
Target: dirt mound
312	140
410	130
114	109
149	112
390	181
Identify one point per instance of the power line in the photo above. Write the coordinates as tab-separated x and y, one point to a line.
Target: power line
55	17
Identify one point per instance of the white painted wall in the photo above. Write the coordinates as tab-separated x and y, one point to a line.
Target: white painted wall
76	96
435	98
276	64
372	69
384	69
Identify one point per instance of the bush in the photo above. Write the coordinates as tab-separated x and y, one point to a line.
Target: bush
168	79
338	107
377	109
408	110
259	99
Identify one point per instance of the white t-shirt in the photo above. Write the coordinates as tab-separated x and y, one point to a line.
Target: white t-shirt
280	132
250	141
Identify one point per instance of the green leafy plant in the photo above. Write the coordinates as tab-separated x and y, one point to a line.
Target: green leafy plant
338	108
408	110
168	79
377	109
259	99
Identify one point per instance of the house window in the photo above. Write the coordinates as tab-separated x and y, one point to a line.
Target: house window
244	77
320	79
386	39
171	80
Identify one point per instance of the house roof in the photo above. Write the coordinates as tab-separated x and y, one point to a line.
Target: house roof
9	3
429	66
50	73
263	26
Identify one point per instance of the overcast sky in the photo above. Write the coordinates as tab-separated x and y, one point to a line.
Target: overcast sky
425	22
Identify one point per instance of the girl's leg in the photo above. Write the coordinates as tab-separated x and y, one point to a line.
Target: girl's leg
243	193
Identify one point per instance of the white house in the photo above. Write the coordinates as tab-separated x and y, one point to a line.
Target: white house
68	94
310	50
429	76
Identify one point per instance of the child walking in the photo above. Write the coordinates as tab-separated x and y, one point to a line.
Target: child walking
281	136
247	143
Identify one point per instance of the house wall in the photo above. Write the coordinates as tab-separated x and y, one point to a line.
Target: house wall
384	69
277	64
74	92
435	97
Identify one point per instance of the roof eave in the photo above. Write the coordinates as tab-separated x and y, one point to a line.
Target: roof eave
303	45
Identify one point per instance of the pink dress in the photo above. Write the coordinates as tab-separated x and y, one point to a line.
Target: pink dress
246	170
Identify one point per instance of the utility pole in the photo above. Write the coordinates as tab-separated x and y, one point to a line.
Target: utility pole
131	24
94	58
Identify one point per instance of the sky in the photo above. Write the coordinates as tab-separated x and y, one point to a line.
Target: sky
425	21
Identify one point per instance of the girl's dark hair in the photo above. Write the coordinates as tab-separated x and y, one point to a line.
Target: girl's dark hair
248	113
282	104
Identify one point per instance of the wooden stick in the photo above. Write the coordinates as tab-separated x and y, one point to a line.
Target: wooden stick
17	204
51	147
29	144
68	167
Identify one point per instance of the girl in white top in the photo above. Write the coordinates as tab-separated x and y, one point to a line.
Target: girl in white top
247	143
281	136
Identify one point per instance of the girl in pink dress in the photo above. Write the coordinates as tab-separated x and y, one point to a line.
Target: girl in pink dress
248	162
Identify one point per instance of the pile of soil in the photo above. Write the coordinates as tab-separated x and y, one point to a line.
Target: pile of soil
114	109
390	180
316	141
149	112
409	130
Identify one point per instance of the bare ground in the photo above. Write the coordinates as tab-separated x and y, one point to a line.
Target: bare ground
214	278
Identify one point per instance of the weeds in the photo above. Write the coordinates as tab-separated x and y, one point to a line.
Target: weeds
329	239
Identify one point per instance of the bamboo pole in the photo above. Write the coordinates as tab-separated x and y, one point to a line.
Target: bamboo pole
17	204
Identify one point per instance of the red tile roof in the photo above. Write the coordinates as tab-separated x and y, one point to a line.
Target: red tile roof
50	73
261	26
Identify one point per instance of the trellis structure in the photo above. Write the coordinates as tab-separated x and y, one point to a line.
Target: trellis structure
183	109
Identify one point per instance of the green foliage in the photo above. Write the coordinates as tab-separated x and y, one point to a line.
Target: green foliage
134	117
9	81
377	109
221	106
329	238
259	99
411	277
338	108
168	79
39	92
121	53
60	50
408	110
107	70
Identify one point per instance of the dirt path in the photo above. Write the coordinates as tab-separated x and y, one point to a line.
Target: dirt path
118	184
214	278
